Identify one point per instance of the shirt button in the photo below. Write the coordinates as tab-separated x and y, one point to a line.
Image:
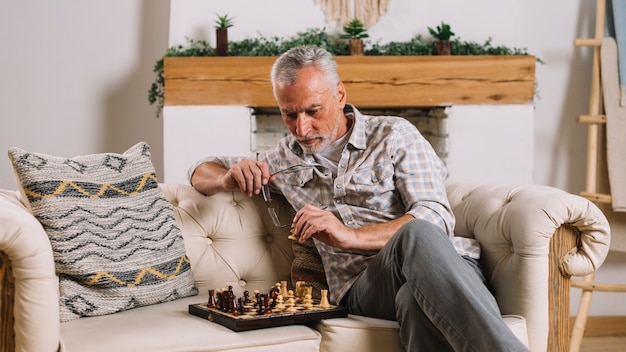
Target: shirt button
351	222
337	200
338	186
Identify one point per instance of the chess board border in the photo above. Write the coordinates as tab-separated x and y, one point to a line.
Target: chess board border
253	322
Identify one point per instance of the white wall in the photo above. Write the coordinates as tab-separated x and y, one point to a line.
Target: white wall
75	74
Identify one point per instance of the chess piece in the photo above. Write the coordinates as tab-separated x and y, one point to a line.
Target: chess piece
292	235
246	297
219	303
211	303
298	290
266	305
256	297
307	301
291	305
279	304
274	293
233	304
283	288
260	308
324	300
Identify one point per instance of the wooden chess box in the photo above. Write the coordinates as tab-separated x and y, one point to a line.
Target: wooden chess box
245	322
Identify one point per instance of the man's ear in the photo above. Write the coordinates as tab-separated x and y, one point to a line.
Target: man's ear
342	95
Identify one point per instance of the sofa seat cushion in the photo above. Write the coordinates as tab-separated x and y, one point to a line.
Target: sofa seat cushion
169	327
358	333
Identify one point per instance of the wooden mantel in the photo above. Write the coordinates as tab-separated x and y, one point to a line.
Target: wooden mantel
371	81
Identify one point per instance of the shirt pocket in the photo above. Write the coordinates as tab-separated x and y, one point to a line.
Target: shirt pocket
373	175
373	188
297	178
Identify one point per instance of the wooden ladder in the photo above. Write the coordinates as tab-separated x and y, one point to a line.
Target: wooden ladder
595	120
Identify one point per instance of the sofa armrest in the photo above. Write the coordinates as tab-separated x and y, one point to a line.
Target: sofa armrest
515	225
30	300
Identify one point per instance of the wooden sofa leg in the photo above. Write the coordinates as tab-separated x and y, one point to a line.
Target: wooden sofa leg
564	239
7	299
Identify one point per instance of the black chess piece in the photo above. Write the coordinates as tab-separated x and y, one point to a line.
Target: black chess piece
259	302
266	305
246	297
240	306
211	303
219	300
233	305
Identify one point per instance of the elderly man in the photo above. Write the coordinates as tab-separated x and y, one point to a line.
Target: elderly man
369	191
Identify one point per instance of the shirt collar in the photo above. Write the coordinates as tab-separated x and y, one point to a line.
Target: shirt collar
358	139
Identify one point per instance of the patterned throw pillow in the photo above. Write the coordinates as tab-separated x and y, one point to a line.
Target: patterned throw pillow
116	244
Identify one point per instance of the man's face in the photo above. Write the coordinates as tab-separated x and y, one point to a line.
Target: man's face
311	109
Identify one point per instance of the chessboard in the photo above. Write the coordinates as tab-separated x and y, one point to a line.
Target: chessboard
278	307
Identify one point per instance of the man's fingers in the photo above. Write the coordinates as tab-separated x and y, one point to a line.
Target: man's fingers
251	175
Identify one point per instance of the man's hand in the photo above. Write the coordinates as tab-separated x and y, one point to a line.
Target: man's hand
312	221
247	176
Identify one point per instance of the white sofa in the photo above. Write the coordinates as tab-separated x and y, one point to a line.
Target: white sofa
533	238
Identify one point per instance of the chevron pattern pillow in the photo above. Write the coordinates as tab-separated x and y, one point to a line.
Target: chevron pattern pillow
115	241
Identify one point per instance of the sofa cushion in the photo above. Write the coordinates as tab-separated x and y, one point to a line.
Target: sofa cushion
169	327
358	333
115	241
307	266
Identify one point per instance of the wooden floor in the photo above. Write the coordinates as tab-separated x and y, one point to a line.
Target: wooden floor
604	344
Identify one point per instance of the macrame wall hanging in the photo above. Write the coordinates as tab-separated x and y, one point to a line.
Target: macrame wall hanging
344	11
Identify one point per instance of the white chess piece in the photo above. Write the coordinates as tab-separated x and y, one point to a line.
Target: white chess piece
283	288
291	305
307	302
300	288
279	304
324	300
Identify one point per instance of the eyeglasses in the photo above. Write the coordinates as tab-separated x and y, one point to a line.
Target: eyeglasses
265	191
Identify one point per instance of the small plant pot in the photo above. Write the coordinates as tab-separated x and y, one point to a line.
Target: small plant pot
221	42
356	47
443	47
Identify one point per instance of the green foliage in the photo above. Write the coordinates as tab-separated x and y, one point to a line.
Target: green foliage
415	46
471	48
223	22
354	30
156	93
443	32
274	46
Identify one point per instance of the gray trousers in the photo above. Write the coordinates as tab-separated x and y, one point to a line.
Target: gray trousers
438	297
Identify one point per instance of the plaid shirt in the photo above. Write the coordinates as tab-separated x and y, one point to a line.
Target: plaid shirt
387	169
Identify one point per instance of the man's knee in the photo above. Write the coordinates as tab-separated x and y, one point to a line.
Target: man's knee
420	232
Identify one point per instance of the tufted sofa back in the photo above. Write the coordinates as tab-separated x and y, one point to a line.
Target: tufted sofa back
230	239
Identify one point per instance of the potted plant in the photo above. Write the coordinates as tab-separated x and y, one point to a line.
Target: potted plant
221	34
354	31
443	33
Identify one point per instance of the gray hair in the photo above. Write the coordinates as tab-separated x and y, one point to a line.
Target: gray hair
285	68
